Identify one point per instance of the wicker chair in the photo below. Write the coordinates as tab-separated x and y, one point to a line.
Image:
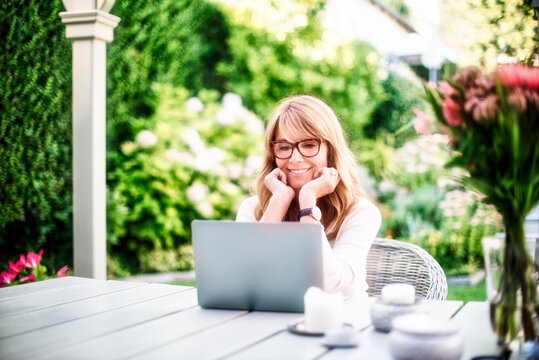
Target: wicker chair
392	261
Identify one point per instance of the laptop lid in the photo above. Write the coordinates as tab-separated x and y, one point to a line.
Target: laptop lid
256	266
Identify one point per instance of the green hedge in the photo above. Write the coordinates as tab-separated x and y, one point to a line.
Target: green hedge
35	132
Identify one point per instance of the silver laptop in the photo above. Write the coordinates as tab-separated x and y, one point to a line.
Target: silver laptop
256	266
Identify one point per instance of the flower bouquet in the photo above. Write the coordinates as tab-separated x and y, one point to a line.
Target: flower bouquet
493	124
27	269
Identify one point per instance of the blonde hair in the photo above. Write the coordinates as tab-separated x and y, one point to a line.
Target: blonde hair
308	117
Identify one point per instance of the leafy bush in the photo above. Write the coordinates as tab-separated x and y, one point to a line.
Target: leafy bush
393	113
195	158
421	161
464	224
423	204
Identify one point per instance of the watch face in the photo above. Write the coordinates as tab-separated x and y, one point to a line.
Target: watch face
316	213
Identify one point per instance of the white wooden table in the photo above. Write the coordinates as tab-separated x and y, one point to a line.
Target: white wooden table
78	318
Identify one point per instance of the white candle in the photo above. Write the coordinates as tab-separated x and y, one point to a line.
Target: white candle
323	311
398	294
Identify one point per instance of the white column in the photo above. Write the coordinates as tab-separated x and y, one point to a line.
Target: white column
90	27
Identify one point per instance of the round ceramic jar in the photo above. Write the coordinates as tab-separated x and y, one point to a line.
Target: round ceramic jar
424	337
382	314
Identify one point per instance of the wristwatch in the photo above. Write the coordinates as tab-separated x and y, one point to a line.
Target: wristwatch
314	212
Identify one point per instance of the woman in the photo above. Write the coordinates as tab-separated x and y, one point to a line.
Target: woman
309	175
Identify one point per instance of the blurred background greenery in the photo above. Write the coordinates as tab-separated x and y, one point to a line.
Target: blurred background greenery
190	84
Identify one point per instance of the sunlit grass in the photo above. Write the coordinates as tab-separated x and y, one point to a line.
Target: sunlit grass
184	283
467	293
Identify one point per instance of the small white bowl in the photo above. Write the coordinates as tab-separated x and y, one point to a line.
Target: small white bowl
382	314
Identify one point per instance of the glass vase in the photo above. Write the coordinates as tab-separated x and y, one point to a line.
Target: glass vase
513	308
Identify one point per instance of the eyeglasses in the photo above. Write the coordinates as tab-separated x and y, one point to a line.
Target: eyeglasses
283	149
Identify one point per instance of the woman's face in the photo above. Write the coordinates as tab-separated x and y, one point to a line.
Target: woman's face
300	170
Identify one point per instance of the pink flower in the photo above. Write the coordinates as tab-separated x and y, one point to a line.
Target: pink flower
533	79
6	278
422	123
30	277
62	272
32	260
452	112
511	76
447	89
16	267
517	76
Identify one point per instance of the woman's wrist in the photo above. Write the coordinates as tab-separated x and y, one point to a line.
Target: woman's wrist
306	199
283	197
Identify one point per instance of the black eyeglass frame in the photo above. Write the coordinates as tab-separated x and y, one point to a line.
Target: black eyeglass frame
294	145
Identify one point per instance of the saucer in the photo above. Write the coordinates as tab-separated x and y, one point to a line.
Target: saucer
298	328
344	337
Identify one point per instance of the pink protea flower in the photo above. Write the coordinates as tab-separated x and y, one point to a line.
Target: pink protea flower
452	112
517	99
61	272
482	108
32	260
6	278
30	277
447	89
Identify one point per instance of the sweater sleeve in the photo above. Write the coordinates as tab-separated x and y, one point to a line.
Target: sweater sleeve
345	263
246	211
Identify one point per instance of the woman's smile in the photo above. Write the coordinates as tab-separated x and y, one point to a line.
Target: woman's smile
298	171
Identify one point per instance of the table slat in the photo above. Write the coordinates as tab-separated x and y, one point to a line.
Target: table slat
50	316
62	296
134	340
42	341
35	288
225	338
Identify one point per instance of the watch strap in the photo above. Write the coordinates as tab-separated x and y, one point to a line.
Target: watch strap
304	212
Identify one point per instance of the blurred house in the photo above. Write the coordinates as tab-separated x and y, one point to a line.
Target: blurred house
413	38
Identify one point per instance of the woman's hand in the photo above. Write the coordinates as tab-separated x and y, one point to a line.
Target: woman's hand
324	182
282	196
277	184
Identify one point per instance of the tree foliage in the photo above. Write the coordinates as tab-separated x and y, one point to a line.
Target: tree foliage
481	30
175	42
